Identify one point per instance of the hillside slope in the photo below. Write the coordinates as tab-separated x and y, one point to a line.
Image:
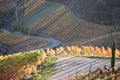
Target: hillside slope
57	21
105	41
18	42
98	11
54	19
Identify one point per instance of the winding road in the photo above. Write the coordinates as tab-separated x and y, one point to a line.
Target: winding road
53	42
67	67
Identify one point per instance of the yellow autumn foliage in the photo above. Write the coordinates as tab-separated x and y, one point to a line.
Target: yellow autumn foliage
19	64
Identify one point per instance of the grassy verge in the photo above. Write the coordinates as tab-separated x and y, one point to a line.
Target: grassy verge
46	69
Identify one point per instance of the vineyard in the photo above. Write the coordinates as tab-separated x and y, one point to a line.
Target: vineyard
10	39
42	9
54	19
21	42
82	51
30	45
104	41
78	44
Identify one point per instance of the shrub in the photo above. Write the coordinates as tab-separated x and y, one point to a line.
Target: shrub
16	66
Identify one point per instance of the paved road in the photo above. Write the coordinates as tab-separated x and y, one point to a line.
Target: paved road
53	42
66	66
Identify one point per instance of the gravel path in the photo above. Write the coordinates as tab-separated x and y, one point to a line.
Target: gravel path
66	67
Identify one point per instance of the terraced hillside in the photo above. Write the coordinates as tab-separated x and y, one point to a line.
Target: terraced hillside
10	39
54	19
21	43
104	41
98	11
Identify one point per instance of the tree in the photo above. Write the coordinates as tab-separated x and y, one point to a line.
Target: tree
113	55
19	9
16	5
